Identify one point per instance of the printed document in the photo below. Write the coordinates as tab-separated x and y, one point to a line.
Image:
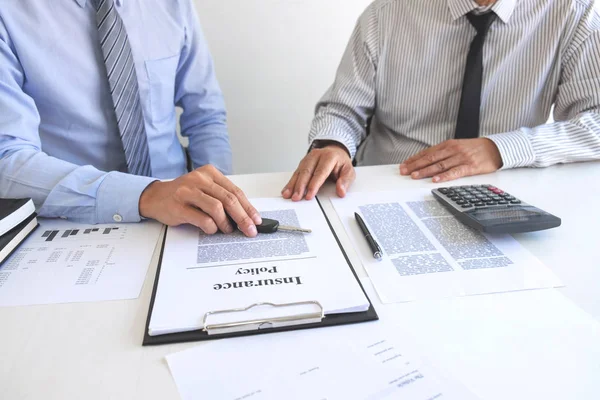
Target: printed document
205	273
369	361
522	345
65	262
428	253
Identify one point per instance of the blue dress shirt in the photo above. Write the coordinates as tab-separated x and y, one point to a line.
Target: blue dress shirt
59	140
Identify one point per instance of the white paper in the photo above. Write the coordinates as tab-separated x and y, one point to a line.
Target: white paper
359	361
429	254
64	262
201	273
519	345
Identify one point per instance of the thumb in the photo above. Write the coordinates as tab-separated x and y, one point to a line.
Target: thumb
346	177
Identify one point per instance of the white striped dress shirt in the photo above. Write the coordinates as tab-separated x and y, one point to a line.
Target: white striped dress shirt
404	68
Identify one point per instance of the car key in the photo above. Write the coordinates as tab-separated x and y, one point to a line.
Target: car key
272	226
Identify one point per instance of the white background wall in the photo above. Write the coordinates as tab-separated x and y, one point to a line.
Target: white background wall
274	60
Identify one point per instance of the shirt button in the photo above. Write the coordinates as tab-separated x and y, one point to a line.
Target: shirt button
117	218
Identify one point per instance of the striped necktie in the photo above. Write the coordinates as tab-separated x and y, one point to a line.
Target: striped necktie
124	89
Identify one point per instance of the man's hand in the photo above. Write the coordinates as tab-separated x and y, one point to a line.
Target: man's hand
454	159
333	161
200	198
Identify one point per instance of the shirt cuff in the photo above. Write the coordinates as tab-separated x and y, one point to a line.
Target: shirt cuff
515	149
119	197
348	145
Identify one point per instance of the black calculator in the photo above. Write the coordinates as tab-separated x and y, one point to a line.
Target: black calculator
492	210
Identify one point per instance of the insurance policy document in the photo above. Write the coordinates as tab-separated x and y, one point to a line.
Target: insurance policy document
369	361
428	253
65	262
205	273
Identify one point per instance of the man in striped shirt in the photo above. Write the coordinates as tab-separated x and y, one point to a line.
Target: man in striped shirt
397	94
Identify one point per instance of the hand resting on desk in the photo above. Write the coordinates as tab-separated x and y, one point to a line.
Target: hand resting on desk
200	198
454	159
331	160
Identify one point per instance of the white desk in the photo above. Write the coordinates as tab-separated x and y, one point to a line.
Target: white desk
93	351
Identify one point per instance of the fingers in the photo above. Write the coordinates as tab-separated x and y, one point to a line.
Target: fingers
314	170
240	196
213	208
323	170
421	154
305	174
424	159
209	190
198	218
288	190
346	177
228	200
437	168
452	174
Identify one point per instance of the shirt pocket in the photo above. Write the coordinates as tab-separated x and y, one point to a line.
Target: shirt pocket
161	79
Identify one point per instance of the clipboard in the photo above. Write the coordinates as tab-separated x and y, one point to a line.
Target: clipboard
244	327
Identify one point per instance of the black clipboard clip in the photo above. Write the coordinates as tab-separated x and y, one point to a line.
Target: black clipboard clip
262	323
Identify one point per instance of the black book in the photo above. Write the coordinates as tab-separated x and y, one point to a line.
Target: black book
11	239
13	212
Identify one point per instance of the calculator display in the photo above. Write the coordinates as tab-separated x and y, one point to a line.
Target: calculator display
507	214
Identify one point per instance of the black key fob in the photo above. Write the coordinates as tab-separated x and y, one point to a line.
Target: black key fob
268	226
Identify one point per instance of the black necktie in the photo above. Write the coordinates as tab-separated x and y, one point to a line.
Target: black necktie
467	125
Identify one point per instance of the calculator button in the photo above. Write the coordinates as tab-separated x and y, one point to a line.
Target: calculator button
503	202
479	204
491	203
466	206
505	195
473	201
515	201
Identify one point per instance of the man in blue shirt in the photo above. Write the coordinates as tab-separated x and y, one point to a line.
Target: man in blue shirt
88	90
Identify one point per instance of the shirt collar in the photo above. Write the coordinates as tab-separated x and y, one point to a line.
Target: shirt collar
82	3
503	8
